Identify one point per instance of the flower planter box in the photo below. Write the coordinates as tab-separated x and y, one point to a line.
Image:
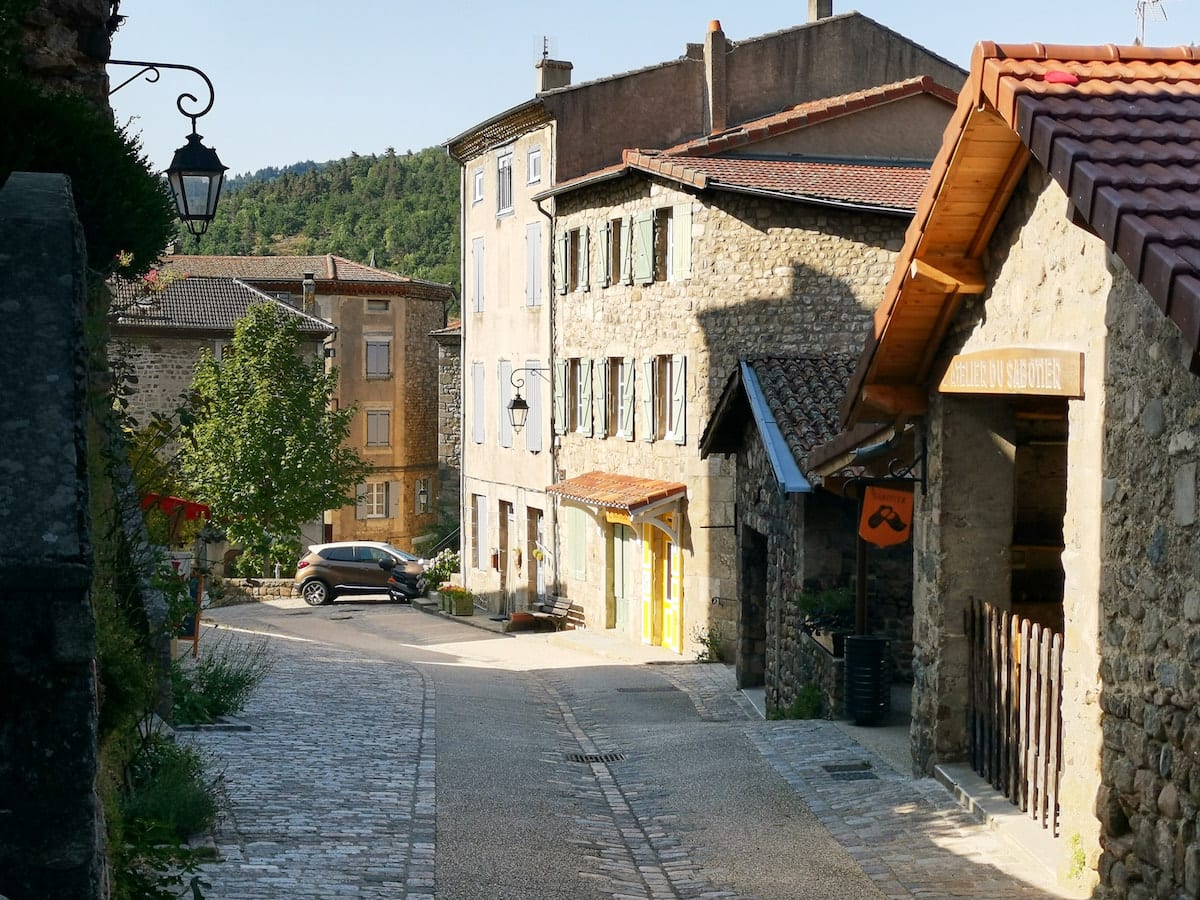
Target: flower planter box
461	605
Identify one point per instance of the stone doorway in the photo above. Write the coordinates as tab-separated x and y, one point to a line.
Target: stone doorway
752	622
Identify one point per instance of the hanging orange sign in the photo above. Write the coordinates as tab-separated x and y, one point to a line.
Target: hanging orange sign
886	515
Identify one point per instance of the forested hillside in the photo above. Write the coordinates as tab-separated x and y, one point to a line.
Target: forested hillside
401	207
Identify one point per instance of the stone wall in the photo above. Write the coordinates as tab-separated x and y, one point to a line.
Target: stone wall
767	277
243	590
164	367
51	823
1149	609
450	410
67	44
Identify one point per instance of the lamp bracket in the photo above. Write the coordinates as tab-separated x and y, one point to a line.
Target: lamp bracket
152	73
518	383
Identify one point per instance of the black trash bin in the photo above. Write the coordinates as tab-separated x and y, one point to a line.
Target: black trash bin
868	682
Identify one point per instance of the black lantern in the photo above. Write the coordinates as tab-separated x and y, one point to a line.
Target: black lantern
518	412
196	175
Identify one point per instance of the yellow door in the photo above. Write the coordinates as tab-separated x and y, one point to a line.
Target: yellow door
672	604
651	601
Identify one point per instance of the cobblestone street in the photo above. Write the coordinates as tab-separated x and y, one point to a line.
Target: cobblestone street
556	773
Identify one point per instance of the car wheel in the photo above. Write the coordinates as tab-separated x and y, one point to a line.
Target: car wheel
316	592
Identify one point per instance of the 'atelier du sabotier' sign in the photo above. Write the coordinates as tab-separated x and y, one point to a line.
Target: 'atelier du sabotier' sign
1016	370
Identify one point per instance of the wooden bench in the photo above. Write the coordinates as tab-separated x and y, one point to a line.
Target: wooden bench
556	612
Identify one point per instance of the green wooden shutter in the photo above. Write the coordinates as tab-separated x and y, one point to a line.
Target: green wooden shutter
625	426
627	250
679	398
560	262
649	426
586	397
585	259
681	247
643	247
560	396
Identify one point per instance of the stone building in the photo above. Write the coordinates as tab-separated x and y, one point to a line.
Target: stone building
512	539
1041	327
387	367
449	344
764	240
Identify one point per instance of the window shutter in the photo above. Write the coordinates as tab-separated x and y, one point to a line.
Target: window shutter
533	388
605	236
626	423
393	499
602	398
506	390
477	402
560	396
648	388
626	250
587	396
533	264
681	217
360	501
585	259
477	259
643	248
679	398
560	262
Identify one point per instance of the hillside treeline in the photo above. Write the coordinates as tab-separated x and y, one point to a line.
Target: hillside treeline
403	208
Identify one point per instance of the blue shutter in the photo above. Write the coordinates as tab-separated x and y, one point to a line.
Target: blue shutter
477	269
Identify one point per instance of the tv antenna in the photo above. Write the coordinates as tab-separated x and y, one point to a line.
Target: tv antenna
1153	8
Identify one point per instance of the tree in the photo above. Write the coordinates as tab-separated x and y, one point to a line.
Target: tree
266	448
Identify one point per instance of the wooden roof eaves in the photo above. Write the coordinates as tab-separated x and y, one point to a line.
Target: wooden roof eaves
924	242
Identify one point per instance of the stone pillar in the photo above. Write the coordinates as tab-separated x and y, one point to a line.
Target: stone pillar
50	819
961	552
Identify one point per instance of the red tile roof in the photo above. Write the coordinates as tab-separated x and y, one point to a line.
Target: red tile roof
1117	127
333	274
609	491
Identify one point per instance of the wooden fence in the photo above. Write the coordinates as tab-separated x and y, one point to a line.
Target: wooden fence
1014	715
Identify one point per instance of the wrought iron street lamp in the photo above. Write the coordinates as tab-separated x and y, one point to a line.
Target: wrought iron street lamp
518	409
196	173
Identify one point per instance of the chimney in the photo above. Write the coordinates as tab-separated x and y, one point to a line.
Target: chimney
552	73
310	292
819	9
714	76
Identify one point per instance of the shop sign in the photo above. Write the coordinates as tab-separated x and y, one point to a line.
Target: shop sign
887	514
1016	370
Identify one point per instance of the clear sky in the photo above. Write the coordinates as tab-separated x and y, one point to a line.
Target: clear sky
301	79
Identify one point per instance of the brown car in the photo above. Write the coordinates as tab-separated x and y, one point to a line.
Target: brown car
349	567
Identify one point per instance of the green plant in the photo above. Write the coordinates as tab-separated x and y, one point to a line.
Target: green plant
171	790
455	590
710	643
1077	858
826	608
807	704
221	681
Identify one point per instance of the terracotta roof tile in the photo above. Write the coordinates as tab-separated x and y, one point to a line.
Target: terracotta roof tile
610	491
198	303
804	394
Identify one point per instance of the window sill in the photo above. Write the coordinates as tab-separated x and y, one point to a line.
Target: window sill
506	213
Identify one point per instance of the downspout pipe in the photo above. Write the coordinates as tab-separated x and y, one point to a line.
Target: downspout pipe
552	437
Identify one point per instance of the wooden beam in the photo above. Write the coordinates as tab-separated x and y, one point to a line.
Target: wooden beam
953	273
896	399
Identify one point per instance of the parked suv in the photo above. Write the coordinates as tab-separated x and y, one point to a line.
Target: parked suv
348	567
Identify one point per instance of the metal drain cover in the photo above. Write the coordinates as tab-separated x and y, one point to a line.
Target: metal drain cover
846	767
595	757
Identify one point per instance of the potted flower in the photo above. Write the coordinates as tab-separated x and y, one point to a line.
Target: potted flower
458	601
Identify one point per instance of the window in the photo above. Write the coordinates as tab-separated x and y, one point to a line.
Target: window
534	172
671	398
378	306
477	177
504	183
533	264
571	260
477	275
375	500
379	357
379	427
615	252
661	244
620	396
579	375
663	236
423	496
